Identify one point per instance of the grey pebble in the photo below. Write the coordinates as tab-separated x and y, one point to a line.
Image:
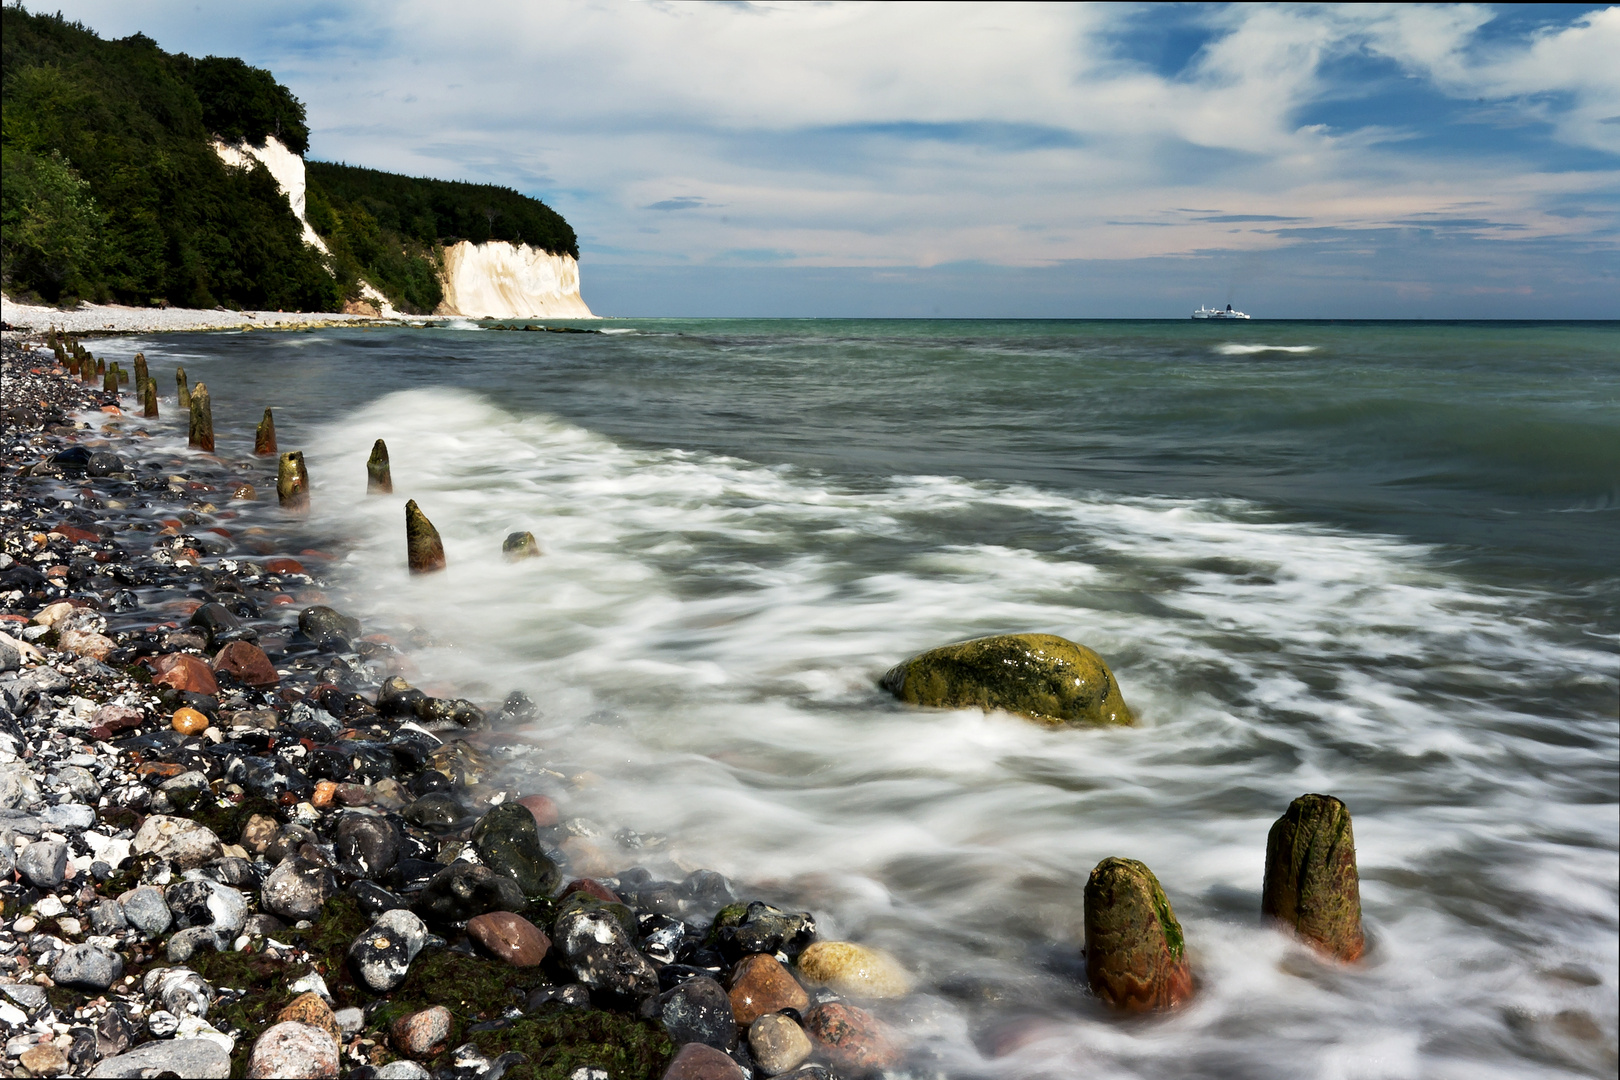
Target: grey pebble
89	966
201	1059
44	863
146	910
68	816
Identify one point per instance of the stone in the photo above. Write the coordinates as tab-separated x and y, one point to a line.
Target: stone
381	957
188	722
379	478
290	1049
308	1008
185	672
185	944
761	928
350	1021
1311	883
207	903
1041	676
248	663
760	985
292	482
220	625
850	1039
43	1060
90	967
543	808
424	549
44	863
697	1010
590	887
403	1069
422	1034
1135	955
146	910
778	1043
80	782
185	843
297	888
74	817
508	842
509	937
107	917
462	890
520	545
86	643
697	1061
598	948
181	991
18	789
367	842
854	971
264	436
259	833
327	629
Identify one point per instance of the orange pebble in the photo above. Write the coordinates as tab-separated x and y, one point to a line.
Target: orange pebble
189	722
325	791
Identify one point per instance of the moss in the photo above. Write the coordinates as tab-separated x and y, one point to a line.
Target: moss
559	1040
728	916
224	817
1041	676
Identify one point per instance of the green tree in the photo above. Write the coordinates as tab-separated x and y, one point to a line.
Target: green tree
51	225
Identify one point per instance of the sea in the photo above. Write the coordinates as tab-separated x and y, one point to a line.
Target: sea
1377	560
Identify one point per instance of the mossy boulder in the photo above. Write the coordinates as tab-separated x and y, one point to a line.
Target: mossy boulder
1041	676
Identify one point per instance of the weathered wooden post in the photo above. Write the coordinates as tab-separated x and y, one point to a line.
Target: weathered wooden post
151	400
202	419
1311	884
424	549
292	482
379	477
1136	959
264	439
182	393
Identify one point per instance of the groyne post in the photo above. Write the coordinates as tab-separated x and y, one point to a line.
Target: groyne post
292	482
424	549
182	392
1311	884
202	419
264	438
150	411
1136	958
379	478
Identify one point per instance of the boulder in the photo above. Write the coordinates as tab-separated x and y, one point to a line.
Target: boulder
367	842
741	930
1041	676
1311	883
1135	955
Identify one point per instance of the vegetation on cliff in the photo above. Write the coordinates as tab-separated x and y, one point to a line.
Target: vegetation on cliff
112	190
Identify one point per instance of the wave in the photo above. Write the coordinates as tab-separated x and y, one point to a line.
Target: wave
1232	349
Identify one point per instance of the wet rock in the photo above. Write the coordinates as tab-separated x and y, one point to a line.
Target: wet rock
705	891
183	842
598	948
574	995
422	1034
507	841
854	971
424	549
397	697
220	625
373	899
291	1049
852	1040
698	1061
195	1059
43	863
207	903
663	938
777	1042
185	672
309	1008
248	663
463	890
761	928
1042	676
760	985
520	545
146	910
327	629
696	1011
542	808
1135	955
297	888
382	956
186	944
439	811
367	842
189	722
509	937
1311	883
90	967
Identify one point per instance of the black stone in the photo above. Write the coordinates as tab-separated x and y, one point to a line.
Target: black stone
221	626
696	1010
439	811
766	929
463	890
373	899
367	843
410	874
328	630
398	698
507	841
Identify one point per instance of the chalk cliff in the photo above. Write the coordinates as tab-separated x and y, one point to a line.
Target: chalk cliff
500	280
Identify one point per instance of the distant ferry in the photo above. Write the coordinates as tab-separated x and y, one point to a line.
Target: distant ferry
1216	313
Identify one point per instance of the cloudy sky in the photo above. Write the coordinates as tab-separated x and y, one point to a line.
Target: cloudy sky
990	159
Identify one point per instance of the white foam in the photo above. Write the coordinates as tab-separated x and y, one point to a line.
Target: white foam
1234	349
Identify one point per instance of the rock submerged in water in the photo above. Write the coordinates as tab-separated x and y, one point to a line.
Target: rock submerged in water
1311	883
1135	954
855	971
1041	676
508	841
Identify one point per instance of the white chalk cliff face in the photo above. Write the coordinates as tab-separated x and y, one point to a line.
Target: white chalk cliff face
500	280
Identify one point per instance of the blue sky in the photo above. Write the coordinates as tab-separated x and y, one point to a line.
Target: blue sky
991	160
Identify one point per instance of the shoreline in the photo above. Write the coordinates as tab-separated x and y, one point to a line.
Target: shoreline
215	789
98	319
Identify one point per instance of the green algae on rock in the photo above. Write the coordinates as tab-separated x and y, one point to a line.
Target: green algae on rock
520	545
292	482
1311	883
1041	676
379	475
1135	954
508	842
424	549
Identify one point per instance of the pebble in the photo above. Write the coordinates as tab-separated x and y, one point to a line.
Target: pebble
422	1034
382	955
778	1043
248	663
187	943
188	722
598	949
760	985
856	971
509	937
696	1011
851	1039
75	816
195	1059
179	840
146	910
44	863
207	903
297	888
290	1049
43	1060
89	966
185	672
697	1061
462	890
543	808
508	842
404	1069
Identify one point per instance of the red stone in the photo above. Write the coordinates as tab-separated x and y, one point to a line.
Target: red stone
851	1040
248	663
284	566
163	769
760	985
699	1061
185	672
543	809
353	795
590	887
509	937
117	717
78	536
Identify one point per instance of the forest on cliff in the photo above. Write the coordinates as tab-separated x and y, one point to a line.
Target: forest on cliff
112	190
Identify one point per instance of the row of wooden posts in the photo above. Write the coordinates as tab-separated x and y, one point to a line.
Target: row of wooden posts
425	550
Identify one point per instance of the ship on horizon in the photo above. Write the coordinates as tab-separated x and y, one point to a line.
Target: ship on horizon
1216	313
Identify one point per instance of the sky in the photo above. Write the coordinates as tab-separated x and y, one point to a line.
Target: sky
989	160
